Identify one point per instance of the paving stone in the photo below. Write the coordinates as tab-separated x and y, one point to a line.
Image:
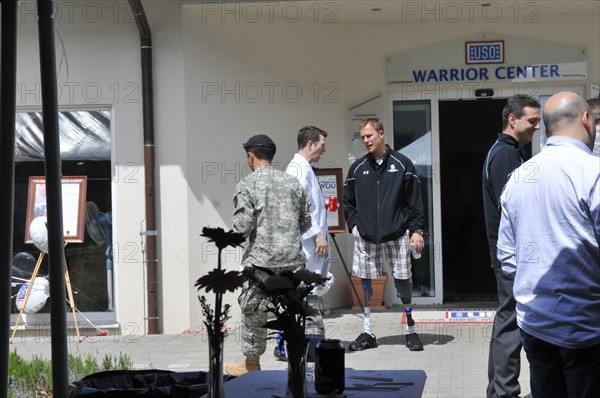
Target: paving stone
454	357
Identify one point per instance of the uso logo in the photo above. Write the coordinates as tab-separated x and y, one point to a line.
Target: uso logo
484	52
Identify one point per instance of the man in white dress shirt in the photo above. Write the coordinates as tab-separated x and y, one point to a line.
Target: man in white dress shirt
311	145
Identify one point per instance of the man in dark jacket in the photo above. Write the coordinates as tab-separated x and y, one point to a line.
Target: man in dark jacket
521	119
384	212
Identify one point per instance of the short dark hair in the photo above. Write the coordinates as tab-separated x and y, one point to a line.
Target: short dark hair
309	133
594	104
373	121
514	106
262	153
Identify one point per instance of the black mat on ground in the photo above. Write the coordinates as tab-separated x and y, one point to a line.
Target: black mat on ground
141	383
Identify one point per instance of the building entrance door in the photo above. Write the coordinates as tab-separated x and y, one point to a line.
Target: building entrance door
447	137
467	130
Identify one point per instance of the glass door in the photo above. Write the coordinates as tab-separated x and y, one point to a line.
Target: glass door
412	136
467	130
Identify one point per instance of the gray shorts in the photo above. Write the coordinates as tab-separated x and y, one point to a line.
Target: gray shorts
369	257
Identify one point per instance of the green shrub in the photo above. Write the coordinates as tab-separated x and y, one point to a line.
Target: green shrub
33	378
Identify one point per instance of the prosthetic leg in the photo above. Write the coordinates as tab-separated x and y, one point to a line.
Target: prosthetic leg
366	339
404	291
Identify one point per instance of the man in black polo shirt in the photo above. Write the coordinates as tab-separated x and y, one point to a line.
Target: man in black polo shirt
521	119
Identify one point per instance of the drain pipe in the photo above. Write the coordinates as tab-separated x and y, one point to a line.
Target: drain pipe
149	164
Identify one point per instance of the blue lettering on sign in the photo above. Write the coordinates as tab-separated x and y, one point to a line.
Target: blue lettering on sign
546	71
450	75
329	185
471	314
526	72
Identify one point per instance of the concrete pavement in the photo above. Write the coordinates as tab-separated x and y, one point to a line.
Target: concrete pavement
455	355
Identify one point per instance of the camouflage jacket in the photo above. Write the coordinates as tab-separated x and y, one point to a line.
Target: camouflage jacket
271	210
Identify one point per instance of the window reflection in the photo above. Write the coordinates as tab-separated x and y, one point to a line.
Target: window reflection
412	137
85	142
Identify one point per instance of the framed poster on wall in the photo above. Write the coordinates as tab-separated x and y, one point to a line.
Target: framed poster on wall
73	206
332	181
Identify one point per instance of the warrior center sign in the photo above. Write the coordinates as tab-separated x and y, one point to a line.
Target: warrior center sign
73	206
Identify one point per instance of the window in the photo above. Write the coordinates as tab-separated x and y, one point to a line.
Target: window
85	142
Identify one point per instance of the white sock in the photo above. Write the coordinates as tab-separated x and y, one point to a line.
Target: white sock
410	329
367	325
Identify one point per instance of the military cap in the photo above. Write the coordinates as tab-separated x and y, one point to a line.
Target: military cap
259	140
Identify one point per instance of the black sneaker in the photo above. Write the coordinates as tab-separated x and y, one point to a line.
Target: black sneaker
363	342
413	342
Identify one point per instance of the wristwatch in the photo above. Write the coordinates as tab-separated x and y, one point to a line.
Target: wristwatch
418	231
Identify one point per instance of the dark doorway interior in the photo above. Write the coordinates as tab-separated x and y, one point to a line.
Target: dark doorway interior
467	130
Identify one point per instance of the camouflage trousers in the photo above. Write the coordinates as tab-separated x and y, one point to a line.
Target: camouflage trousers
253	304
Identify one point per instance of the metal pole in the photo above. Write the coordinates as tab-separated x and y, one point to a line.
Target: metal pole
348	274
56	261
8	97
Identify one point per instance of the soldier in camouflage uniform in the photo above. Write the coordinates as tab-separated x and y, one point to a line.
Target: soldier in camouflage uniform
270	209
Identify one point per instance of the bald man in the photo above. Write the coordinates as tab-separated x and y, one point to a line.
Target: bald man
549	239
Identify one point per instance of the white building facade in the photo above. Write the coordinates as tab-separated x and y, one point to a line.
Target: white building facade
435	72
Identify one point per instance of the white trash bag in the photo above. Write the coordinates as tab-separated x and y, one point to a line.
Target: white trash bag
39	233
37	298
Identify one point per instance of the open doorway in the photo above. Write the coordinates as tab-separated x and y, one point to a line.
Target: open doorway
467	130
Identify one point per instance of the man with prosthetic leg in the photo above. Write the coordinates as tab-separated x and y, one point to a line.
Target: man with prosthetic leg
384	212
367	339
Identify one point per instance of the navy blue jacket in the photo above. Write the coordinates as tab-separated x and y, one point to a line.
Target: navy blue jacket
383	201
502	158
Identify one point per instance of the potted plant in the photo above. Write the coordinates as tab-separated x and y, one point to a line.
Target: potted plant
378	285
287	292
219	281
